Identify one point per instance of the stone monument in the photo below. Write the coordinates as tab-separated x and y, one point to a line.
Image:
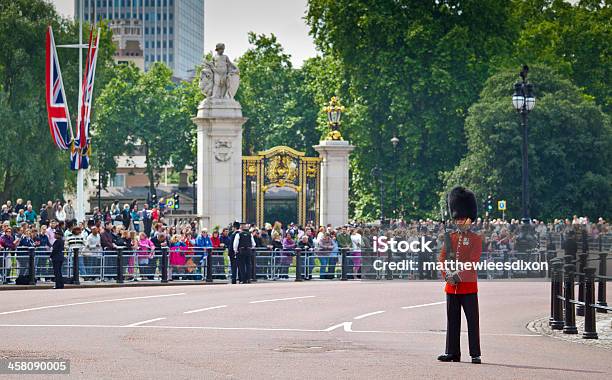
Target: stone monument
219	124
334	152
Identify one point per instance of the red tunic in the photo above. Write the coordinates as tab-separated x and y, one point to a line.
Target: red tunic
470	249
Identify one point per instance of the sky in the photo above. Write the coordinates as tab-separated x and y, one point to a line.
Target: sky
229	21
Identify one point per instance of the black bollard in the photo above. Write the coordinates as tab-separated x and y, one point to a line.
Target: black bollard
119	265
306	266
600	243
582	263
253	265
344	265
551	253
590	331
557	303
553	286
209	266
75	267
298	265
164	265
601	287
389	272
32	266
570	313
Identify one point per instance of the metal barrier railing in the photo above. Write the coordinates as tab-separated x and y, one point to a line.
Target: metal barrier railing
569	272
192	263
207	264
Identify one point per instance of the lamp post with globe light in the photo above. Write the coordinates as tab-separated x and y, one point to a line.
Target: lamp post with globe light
394	142
334	114
523	101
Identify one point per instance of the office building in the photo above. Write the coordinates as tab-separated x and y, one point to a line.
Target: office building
170	31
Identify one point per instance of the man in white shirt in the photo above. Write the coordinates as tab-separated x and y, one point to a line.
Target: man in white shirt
356	243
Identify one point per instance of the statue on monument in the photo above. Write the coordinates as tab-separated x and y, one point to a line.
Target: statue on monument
220	78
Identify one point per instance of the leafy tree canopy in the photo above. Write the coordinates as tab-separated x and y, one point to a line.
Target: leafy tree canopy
570	149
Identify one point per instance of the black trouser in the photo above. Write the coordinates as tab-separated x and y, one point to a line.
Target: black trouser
454	303
57	273
244	264
233	266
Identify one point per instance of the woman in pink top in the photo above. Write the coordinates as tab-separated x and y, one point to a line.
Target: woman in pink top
146	250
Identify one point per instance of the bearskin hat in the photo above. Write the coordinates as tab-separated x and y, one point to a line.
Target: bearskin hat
462	203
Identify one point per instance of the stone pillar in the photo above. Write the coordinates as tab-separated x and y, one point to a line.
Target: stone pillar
334	181
219	171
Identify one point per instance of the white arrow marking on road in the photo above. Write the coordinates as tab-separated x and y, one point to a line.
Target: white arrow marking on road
144	322
345	325
207	308
423	305
369	314
282	299
88	303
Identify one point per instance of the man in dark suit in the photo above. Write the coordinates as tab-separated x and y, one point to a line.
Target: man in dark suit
57	258
230	251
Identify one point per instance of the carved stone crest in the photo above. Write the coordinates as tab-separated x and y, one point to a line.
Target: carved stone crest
281	170
223	149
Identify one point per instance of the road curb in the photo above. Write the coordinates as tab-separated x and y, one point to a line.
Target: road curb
540	326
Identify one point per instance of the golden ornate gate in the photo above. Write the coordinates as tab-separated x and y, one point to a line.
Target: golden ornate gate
280	167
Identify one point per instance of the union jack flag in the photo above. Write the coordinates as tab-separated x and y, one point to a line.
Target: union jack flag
79	158
57	107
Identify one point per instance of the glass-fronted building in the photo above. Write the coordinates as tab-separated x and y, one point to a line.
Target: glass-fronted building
172	31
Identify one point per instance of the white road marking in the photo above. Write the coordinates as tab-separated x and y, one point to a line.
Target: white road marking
362	316
205	309
282	299
88	303
170	327
347	327
423	305
144	322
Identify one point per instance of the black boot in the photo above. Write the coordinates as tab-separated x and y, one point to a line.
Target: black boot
449	358
476	359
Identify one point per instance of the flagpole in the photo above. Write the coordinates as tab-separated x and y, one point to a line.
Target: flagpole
80	201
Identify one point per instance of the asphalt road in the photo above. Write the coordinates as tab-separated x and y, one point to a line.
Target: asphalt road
309	330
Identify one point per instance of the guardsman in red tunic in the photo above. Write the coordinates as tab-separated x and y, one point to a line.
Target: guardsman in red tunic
461	285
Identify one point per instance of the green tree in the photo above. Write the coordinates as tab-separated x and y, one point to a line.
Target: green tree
142	112
413	68
573	39
188	95
28	153
266	74
570	148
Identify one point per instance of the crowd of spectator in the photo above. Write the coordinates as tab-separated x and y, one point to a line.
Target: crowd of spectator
144	232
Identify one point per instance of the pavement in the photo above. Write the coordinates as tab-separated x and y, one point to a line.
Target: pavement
287	330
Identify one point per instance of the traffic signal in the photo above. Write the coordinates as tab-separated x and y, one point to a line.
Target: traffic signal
154	199
176	201
489	204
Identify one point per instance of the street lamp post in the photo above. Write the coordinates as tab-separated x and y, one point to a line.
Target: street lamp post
523	101
377	173
334	112
98	188
395	141
193	184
